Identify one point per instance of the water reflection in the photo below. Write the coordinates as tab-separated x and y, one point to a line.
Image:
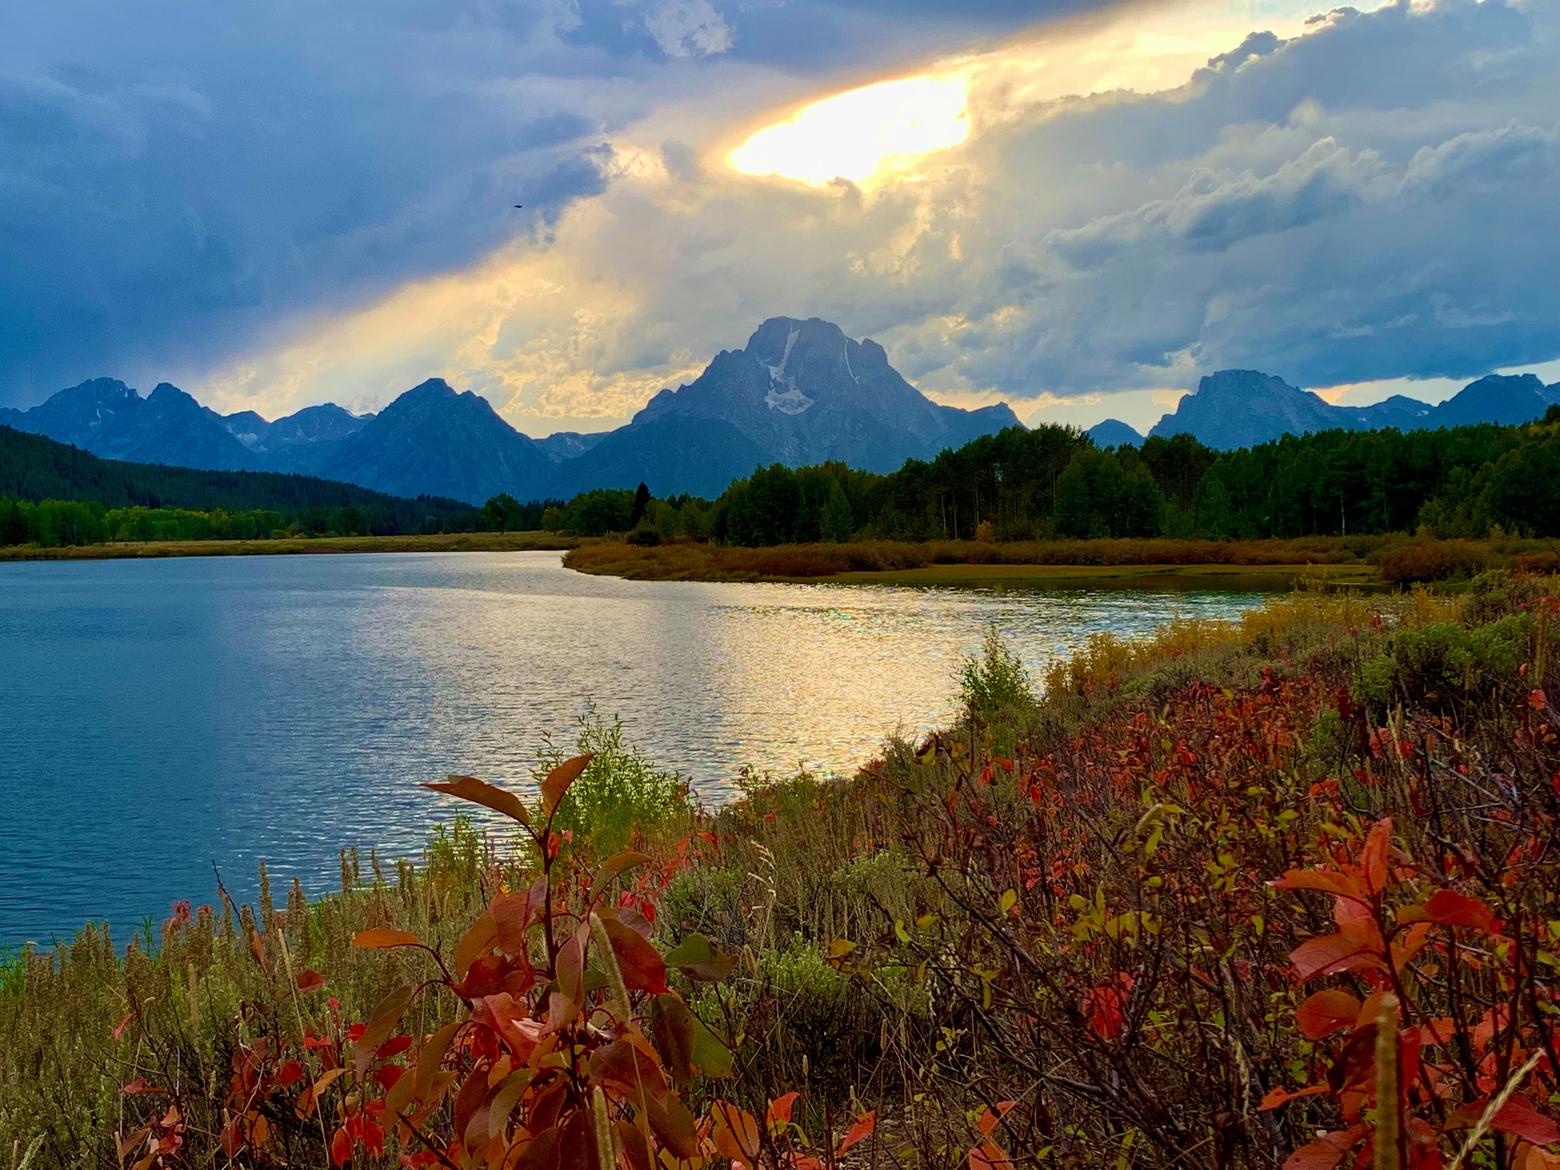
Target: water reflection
161	716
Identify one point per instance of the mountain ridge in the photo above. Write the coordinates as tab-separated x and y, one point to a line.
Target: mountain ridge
1242	408
799	392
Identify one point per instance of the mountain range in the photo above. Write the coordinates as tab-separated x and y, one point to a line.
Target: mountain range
799	392
1241	408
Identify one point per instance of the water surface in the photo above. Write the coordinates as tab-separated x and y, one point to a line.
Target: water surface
157	716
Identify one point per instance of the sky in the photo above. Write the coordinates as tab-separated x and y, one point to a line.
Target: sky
1075	207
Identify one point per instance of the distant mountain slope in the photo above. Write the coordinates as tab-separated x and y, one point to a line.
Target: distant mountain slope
804	393
1241	408
1112	432
311	428
1500	399
563	445
108	418
435	441
33	467
672	455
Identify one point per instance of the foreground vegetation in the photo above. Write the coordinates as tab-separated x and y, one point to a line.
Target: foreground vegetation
1277	892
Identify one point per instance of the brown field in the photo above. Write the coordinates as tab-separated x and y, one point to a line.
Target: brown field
1129	562
1155	563
445	542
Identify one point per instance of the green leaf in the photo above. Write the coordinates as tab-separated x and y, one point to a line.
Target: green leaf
696	958
712	1056
386	1016
672	1030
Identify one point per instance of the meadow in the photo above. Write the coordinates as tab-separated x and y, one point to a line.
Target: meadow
1277	892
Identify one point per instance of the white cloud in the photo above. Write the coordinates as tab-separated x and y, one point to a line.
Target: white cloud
688	28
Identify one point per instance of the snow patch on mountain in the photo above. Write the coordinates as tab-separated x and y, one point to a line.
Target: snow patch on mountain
787	401
790	399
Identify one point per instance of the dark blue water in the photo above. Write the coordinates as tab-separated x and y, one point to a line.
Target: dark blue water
158	716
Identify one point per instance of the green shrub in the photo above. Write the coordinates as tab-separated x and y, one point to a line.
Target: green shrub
621	794
996	690
1445	661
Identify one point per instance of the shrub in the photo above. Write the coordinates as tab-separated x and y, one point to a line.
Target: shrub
1438	561
1439	663
995	688
621	797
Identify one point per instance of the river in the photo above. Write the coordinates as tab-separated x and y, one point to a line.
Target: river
159	716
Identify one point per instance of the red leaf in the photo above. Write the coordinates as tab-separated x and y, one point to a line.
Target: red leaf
1326	1151
1326	1012
863	1129
989	1120
780	1110
119	1028
1277	1097
1449	908
735	1132
488	795
310	980
1105	1009
641	964
1517	1116
380	938
1373	857
559	779
1328	881
340	1147
1356	945
989	1156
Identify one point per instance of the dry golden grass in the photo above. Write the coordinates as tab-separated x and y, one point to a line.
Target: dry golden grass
439	542
950	561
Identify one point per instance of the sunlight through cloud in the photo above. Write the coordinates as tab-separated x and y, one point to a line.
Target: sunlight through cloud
861	133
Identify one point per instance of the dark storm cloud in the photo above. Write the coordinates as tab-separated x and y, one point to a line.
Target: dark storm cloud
180	179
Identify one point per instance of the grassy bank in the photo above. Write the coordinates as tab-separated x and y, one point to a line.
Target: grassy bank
442	542
1252	563
1188	902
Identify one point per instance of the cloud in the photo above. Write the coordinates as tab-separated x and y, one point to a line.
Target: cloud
181	183
1217	209
688	28
1484	161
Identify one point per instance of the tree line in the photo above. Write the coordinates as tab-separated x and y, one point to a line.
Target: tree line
1053	482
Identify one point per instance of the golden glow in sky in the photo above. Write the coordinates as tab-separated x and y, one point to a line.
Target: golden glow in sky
886	128
862	132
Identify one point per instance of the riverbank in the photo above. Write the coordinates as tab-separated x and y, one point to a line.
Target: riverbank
1134	910
438	542
1270	564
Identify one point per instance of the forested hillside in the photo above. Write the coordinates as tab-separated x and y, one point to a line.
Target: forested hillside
151	501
